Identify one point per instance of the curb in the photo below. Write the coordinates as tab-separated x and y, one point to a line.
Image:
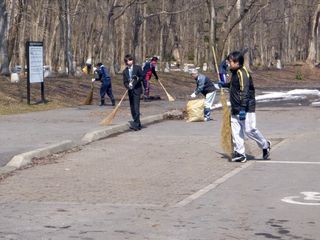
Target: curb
104	133
23	159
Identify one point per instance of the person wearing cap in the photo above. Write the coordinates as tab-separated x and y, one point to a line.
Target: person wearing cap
88	70
205	87
101	74
148	69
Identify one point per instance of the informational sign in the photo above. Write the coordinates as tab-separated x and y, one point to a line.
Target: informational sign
35	67
35	62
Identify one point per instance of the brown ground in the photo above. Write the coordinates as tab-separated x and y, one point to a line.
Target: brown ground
64	92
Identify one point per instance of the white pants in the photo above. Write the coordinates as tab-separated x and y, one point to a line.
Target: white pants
247	127
209	99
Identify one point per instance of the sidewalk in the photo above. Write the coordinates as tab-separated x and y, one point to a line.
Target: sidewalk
27	132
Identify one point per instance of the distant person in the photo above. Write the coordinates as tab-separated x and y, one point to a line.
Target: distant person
101	74
223	70
207	88
149	68
243	104
88	69
132	80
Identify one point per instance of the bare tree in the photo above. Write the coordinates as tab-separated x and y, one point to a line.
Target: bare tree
4	61
312	53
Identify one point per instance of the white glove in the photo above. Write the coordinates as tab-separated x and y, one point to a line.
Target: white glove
130	85
93	79
193	95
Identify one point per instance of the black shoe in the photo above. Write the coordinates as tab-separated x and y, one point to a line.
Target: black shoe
134	128
113	102
102	103
266	151
237	157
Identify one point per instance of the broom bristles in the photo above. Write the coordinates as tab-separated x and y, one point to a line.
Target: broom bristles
89	98
226	142
110	117
108	120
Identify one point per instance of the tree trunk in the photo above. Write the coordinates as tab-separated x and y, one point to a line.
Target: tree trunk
4	60
68	50
312	53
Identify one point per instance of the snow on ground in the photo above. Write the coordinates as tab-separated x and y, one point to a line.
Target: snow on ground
283	96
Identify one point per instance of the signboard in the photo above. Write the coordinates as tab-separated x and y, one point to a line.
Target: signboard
35	66
35	62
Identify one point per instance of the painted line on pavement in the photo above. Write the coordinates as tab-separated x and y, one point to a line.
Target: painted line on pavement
289	162
213	185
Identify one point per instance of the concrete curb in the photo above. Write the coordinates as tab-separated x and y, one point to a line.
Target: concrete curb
106	132
25	158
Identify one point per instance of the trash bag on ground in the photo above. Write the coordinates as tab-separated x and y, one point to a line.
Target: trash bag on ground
195	110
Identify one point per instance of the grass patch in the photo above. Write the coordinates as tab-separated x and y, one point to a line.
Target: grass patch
9	107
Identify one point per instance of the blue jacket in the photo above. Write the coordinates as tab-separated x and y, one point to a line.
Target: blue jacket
204	85
103	75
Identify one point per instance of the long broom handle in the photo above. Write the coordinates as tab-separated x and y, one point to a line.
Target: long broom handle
124	95
216	65
168	95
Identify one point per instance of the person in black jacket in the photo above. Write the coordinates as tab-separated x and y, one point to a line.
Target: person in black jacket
132	80
243	106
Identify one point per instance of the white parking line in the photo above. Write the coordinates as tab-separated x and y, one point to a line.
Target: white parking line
213	185
289	162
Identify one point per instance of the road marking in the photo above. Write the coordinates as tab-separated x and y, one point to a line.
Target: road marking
288	162
308	196
213	185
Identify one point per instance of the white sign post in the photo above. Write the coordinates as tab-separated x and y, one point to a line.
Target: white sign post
35	67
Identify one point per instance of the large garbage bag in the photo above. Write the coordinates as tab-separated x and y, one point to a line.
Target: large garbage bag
195	110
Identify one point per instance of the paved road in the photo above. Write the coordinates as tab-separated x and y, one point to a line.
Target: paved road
25	132
171	182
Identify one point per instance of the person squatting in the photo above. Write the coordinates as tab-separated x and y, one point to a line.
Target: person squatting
243	105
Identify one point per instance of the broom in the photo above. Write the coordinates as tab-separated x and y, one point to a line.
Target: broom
110	117
170	98
226	142
89	98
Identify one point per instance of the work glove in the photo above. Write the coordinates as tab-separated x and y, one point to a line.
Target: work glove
242	115
193	95
93	79
130	86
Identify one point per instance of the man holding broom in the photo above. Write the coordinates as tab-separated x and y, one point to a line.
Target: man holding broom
101	74
132	80
243	116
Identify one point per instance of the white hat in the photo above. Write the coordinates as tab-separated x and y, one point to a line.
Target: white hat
89	61
194	71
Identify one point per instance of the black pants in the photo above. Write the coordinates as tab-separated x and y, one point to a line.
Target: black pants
134	99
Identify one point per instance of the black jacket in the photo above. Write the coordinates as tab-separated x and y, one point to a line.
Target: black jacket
242	92
136	72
